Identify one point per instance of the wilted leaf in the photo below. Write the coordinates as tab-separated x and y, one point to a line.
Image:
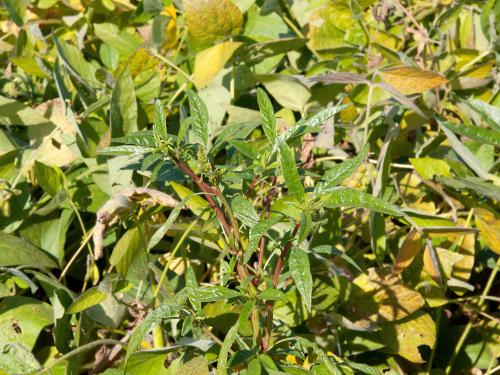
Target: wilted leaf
409	80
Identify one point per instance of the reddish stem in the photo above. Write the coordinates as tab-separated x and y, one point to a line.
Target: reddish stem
284	252
208	190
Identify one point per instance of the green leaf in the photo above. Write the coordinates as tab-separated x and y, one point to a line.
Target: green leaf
17	252
334	176
271	294
429	167
214	293
164	311
300	269
89	298
146	363
123	109
224	350
164	228
244	211
160	124
312	122
16	11
267	115
17	359
488	113
125	150
49	178
289	169
330	250
125	43
30	317
195	366
464	153
491	137
200	117
16	113
347	197
144	138
287	90
256	233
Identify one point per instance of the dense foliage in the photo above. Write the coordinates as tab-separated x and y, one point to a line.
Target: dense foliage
249	186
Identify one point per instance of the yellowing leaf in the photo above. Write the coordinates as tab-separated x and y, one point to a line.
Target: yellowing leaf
430	167
409	80
196	203
489	225
405	337
211	20
349	114
410	248
381	296
210	61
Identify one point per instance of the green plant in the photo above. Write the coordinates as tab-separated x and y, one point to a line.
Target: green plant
158	216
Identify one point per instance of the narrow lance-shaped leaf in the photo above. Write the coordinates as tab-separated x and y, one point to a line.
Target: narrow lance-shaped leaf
488	113
466	155
300	269
487	136
159	124
224	350
199	115
166	310
334	176
289	168
347	197
267	115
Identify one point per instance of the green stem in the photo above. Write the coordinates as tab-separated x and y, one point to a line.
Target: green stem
185	234
82	349
468	327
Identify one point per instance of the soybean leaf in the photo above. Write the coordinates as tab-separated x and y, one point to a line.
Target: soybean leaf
334	176
16	252
289	169
89	298
267	115
199	115
244	211
300	269
159	124
123	110
347	197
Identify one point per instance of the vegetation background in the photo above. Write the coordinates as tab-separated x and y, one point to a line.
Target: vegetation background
249	186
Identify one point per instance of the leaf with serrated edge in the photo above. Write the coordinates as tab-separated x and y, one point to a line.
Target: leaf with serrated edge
267	115
199	114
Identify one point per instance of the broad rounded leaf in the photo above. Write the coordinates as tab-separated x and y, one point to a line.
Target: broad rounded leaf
211	20
209	62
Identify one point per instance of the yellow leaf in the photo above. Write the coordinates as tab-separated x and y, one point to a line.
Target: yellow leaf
429	167
410	248
381	296
210	61
404	338
211	20
409	80
489	225
349	114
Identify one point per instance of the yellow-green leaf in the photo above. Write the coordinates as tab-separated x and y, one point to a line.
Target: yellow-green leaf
211	20
430	167
489	225
196	203
404	338
409	80
210	61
